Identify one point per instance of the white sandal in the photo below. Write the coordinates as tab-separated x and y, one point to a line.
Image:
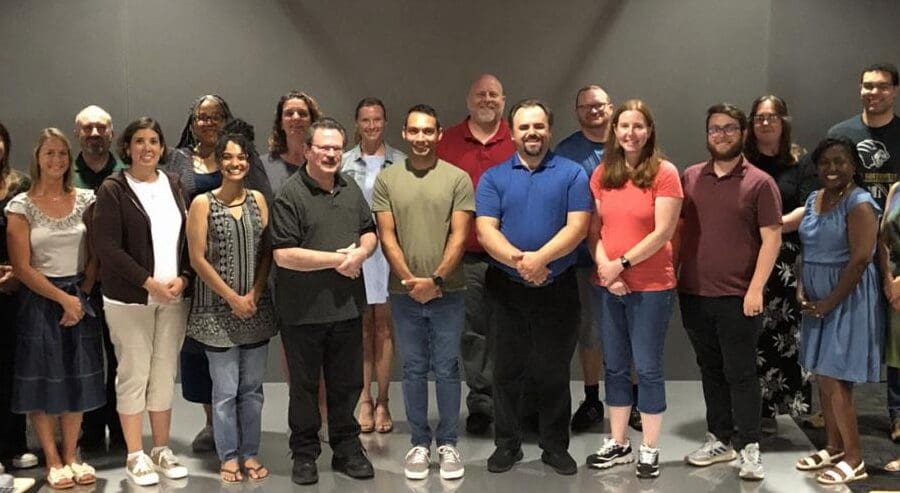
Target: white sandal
83	473
818	460
61	478
843	474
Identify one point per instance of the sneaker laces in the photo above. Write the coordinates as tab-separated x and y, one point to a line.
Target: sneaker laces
750	454
417	454
448	453
167	458
709	444
648	455
142	465
609	443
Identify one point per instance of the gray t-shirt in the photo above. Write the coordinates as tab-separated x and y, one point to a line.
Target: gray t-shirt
422	203
306	216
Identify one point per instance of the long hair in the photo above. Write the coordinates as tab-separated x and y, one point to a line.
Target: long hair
35	169
188	139
4	161
278	139
787	153
615	170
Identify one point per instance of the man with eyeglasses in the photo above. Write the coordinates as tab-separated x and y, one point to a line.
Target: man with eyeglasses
730	237
476	144
322	231
593	109
94	131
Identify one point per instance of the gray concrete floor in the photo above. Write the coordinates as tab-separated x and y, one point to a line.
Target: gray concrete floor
683	430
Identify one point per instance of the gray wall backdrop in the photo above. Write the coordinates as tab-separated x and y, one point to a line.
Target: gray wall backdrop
153	57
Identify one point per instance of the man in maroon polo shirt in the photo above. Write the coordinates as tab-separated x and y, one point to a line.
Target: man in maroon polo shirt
730	236
474	145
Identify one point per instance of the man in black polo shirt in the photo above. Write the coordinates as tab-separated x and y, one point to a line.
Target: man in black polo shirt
94	131
322	231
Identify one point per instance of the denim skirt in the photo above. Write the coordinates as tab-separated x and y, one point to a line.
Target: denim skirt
58	369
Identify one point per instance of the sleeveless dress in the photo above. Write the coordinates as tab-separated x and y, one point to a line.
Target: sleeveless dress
58	369
233	249
846	344
892	334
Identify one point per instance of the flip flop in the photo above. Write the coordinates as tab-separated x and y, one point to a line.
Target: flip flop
256	473
236	477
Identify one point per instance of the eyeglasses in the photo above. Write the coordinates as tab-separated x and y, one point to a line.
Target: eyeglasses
769	118
727	130
327	149
209	117
593	106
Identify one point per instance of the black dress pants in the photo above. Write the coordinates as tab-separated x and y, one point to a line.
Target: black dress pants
12	426
336	350
536	327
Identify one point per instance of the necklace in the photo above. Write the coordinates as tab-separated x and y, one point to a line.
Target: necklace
832	202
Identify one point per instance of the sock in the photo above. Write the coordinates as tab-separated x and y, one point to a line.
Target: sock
592	393
134	454
156	450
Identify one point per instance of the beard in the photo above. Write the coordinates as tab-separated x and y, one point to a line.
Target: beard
533	152
728	154
484	115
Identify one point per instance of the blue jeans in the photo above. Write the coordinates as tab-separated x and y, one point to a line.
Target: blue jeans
237	400
428	337
634	328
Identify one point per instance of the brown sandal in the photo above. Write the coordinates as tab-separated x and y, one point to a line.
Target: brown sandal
234	475
258	472
366	420
383	421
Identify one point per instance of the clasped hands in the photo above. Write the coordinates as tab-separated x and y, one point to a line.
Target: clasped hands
531	266
422	289
609	273
354	257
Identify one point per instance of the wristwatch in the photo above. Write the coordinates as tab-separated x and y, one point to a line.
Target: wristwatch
625	262
438	280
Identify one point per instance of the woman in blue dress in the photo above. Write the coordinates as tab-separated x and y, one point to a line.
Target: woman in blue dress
842	330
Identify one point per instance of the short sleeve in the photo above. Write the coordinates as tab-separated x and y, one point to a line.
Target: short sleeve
487	196
768	203
667	182
381	198
463	194
862	196
597	183
579	198
286	221
18	205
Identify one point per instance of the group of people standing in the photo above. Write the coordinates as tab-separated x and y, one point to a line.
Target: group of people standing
479	245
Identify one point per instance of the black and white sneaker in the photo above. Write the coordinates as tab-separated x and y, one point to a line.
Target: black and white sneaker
610	454
648	462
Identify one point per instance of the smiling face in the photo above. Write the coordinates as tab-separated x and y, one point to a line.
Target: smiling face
208	122
324	153
233	164
835	168
295	117
531	131
370	124
485	100
724	138
53	159
145	149
632	132
877	93
422	134
593	109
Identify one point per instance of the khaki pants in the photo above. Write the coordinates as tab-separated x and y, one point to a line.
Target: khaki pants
147	340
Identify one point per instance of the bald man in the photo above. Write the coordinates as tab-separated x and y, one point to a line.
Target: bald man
477	143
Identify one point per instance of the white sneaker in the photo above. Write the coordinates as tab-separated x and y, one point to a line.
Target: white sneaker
751	463
418	460
25	461
165	462
711	452
140	470
451	462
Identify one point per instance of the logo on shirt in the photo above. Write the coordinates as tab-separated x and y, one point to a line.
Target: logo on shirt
873	153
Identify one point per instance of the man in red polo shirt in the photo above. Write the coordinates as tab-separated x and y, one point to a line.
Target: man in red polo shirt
730	236
474	145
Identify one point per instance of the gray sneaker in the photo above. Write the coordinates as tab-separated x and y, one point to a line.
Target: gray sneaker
711	452
451	462
751	463
418	460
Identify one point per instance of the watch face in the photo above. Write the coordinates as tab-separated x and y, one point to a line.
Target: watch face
438	280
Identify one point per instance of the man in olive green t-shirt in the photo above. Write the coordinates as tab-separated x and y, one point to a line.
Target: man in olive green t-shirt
423	207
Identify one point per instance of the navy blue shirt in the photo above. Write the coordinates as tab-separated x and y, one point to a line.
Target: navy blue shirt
588	154
533	206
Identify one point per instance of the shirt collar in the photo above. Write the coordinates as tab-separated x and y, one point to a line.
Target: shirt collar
547	162
81	164
738	170
502	133
356	154
313	185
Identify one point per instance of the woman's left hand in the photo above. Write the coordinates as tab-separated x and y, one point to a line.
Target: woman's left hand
815	309
176	286
609	271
